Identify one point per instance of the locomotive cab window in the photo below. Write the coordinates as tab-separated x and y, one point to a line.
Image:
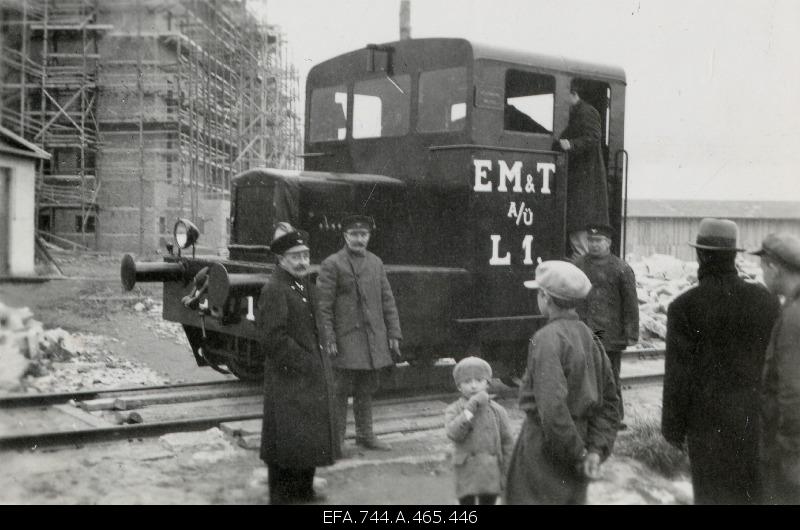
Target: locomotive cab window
529	102
381	107
328	114
442	100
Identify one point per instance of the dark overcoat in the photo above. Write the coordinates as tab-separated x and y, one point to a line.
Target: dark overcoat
570	400
587	188
612	308
717	334
298	425
357	310
780	440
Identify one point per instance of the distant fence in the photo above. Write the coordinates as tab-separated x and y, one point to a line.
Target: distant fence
671	235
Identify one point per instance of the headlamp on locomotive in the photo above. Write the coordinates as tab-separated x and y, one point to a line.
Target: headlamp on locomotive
447	144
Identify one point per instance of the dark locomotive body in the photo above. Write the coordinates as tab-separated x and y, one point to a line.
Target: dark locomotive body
467	195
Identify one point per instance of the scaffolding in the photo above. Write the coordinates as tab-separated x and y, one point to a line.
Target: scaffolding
149	107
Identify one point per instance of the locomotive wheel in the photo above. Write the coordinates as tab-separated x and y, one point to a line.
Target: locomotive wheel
247	372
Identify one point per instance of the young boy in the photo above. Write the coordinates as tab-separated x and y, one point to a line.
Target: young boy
479	428
568	395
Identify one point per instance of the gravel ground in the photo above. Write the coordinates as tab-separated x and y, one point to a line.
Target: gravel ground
125	346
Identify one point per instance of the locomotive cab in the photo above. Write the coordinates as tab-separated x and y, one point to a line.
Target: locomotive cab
448	145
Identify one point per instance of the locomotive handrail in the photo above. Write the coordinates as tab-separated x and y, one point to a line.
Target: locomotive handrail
492	148
622	155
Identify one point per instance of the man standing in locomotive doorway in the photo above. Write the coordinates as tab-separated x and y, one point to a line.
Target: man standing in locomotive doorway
299	427
587	189
612	308
360	325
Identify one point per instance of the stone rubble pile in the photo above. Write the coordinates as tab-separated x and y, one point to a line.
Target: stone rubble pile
163	328
659	279
33	359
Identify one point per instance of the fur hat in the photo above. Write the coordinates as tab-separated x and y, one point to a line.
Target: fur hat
471	368
293	241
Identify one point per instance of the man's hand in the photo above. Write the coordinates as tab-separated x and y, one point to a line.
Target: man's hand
632	342
394	349
331	349
591	465
565	145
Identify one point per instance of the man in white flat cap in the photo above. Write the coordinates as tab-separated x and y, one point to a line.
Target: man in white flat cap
568	395
780	391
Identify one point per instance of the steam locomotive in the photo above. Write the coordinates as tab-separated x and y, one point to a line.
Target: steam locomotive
447	144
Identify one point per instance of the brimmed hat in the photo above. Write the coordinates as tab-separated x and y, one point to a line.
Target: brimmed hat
471	368
291	242
600	230
717	234
358	221
561	279
784	248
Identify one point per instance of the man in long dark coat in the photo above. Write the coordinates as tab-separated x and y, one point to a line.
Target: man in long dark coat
717	334
587	189
568	395
360	325
612	308
780	399
298	432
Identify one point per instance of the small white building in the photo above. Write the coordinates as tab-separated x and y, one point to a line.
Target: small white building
18	159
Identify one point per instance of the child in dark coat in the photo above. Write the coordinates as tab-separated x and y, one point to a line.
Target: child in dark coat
479	428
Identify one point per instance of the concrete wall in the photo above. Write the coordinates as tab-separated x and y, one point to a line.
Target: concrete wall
670	235
20	203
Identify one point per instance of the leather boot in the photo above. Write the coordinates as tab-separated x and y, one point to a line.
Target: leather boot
341	423
362	411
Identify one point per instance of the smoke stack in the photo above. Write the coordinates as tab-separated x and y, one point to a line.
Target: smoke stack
405	19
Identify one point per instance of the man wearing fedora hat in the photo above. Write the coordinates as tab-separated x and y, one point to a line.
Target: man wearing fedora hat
780	393
611	309
568	395
360	325
298	429
717	333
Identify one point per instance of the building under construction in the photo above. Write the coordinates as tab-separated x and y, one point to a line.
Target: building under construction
148	108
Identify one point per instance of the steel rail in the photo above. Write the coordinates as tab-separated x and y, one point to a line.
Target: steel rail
54	398
79	437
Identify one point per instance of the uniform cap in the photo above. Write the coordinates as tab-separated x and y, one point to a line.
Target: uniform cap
471	368
600	230
561	279
291	242
717	234
358	221
781	247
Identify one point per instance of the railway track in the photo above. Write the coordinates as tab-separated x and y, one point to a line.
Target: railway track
36	421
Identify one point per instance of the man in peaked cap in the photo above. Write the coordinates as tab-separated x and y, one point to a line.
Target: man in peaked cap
298	430
611	309
360	325
780	393
568	395
587	197
717	333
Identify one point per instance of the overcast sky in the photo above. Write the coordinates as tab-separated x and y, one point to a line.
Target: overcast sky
713	92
